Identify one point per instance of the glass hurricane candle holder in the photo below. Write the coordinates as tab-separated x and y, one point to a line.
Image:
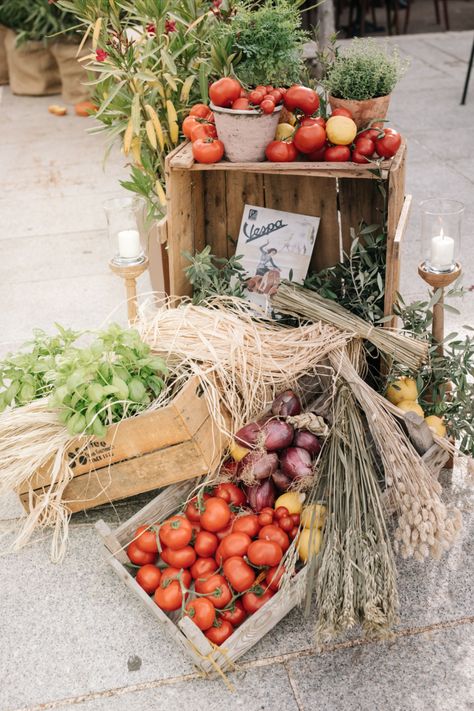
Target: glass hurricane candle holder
127	230
441	234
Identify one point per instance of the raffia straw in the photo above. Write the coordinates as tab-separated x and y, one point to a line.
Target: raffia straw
296	300
426	526
242	359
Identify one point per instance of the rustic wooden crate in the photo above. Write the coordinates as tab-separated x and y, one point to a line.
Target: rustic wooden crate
171	444
184	631
205	206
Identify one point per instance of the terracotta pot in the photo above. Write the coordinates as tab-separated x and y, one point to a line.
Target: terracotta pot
245	134
363	111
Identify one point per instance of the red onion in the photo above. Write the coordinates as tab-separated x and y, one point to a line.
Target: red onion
286	404
258	465
295	462
261	495
307	440
229	468
247	436
281	481
278	435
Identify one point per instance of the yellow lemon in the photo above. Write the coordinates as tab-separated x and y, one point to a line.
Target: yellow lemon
309	543
313	516
237	452
402	389
436	425
411	406
284	130
291	501
341	130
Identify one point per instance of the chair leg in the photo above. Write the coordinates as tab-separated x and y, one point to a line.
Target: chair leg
363	13
395	12
438	18
407	17
468	76
446	14
374	16
389	17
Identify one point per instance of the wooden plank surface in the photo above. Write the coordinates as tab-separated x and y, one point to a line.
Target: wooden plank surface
392	283
241	189
180	228
309	196
395	204
133	476
315	170
215	213
359	201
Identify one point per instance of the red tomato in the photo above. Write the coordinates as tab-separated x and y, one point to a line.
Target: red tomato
169	597
296	519
219	632
231	493
372	133
235	544
318	156
285	523
262	89
203	568
342	112
281	152
139	557
248	524
268	105
239	573
311	120
176	532
243	94
191	511
202	612
216	589
175	573
364	146
204	130
254	601
281	512
148	578
189	123
387	146
206	544
216	514
268	510
303	98
182	558
256	97
275	533
227	530
235	615
224	92
263	552
200	110
276	95
308	139
241	104
208	150
274	576
337	154
357	157
265	519
269	88
146	539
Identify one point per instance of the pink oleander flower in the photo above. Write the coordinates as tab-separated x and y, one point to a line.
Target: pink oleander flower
170	26
151	29
101	55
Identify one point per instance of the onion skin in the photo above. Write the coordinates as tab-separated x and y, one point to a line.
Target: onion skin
281	480
248	435
307	440
295	462
278	435
261	495
258	465
287	404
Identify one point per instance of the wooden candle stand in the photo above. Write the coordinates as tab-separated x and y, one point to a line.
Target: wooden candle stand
130	274
439	281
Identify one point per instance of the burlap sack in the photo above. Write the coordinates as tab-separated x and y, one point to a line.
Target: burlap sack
3	57
32	68
73	74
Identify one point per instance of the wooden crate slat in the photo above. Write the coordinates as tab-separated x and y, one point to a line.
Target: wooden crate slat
396	199
321	170
392	283
215	201
241	189
358	201
198	211
180	229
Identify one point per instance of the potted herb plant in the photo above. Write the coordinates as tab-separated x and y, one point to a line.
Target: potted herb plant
362	77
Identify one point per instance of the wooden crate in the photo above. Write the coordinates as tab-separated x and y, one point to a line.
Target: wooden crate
205	206
187	635
172	444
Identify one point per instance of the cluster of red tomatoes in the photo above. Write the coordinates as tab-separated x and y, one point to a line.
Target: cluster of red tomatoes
217	562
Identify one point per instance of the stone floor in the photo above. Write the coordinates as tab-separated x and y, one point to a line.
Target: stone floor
71	635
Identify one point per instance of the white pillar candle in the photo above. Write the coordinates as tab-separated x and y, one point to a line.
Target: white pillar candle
129	244
442	251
